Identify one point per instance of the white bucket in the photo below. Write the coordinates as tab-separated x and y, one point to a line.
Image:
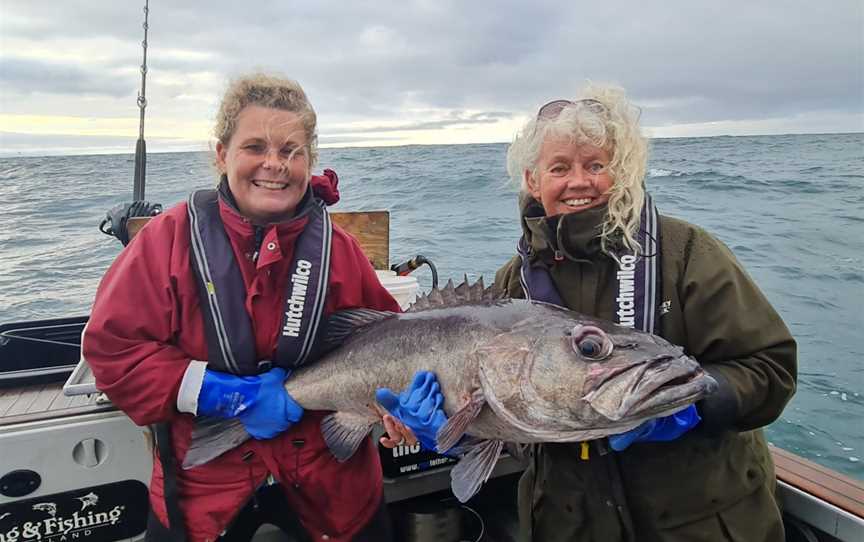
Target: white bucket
403	289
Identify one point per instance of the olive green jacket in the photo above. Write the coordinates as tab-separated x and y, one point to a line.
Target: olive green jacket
715	482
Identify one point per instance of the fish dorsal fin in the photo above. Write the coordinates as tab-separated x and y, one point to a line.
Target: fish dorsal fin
342	324
454	296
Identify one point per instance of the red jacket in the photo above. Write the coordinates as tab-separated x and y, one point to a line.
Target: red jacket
146	326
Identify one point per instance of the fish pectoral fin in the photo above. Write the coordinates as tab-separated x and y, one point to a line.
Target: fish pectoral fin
465	445
343	432
457	424
212	437
474	468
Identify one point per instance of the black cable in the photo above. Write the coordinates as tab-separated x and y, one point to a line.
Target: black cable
405	268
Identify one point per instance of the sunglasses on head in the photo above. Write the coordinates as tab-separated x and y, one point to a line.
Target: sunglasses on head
554	108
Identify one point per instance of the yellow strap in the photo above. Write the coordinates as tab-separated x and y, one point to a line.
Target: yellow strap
583	451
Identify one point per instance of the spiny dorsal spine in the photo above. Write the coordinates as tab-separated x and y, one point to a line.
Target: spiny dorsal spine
453	296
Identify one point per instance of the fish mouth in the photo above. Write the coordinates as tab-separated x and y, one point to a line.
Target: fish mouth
649	389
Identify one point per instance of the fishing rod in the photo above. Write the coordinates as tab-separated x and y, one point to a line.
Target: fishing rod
141	145
117	218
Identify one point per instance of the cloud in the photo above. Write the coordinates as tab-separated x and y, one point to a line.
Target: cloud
423	66
454	119
30	77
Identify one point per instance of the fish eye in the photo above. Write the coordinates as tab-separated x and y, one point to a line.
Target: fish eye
590	342
590	347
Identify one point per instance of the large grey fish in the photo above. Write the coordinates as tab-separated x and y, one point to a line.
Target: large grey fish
510	371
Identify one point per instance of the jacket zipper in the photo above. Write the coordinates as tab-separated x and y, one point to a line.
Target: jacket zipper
258	233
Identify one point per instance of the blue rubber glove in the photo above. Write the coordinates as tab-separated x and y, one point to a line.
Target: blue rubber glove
418	407
260	402
658	430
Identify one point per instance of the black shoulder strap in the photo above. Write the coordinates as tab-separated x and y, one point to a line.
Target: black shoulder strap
230	340
306	292
176	525
535	280
638	277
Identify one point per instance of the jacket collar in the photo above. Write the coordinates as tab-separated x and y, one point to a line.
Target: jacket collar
575	236
233	219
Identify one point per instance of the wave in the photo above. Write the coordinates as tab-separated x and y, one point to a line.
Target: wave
660	172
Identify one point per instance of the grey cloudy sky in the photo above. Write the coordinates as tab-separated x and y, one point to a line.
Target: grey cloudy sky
422	71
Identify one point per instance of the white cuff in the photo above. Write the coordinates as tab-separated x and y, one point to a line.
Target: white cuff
190	387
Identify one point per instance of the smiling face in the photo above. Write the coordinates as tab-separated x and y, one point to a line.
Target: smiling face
267	163
570	177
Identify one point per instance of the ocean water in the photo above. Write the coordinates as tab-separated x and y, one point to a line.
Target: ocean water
790	207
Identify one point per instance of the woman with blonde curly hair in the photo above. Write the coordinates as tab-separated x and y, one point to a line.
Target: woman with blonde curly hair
202	318
594	242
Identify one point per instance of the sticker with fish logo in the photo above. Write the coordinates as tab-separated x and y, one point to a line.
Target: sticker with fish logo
87	500
100	513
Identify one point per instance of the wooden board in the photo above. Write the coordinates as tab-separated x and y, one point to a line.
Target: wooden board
135	223
370	228
821	482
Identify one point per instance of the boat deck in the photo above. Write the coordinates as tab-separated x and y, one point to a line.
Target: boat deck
43	401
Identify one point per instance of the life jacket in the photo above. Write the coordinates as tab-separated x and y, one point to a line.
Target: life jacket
230	336
638	276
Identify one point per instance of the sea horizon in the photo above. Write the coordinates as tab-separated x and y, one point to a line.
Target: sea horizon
120	152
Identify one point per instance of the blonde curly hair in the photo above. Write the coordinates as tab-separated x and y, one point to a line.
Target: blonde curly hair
266	91
600	116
